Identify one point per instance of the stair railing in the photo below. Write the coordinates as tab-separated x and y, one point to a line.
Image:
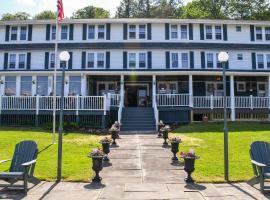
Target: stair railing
155	110
121	105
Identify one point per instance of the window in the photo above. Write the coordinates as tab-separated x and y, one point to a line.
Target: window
184	57
132	60
91	60
53	33
22	61
218	32
174	32
210	60
241	86
184	32
208	32
238	28
267	33
106	87
42	85
74	85
23	33
101	32
132	32
260	61
12	61
142	60
259	33
52	60
64	32
100	60
14	33
10	85
219	65
174	60
91	32
169	87
239	56
214	88
26	85
268	61
141	31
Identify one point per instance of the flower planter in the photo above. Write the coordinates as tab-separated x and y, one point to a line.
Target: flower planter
189	168
97	167
165	136
106	150
114	135
174	150
160	126
205	119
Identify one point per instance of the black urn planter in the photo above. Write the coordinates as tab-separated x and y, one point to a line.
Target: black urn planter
114	135
165	137
175	150
106	150
97	167
189	168
159	131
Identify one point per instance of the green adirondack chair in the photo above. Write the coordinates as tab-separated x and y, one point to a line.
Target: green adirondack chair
22	164
260	159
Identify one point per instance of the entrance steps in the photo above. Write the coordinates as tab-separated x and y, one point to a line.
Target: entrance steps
138	119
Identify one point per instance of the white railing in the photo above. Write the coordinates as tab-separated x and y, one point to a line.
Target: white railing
172	99
121	105
252	102
156	112
115	100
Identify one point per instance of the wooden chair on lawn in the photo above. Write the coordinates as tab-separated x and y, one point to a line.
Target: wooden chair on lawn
22	164
260	159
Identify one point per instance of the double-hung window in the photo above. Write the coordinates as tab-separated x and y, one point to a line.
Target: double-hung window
26	85
268	61
42	85
267	33
14	31
174	60
219	65
258	33
132	60
208	32
64	32
100	60
22	61
74	85
90	60
12	61
23	33
218	32
52	60
142	60
260	61
210	60
132	31
101	31
174	32
53	33
142	31
184	32
10	85
91	32
184	58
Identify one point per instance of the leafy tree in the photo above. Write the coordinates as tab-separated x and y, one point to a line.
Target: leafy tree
91	12
127	9
166	9
48	14
16	16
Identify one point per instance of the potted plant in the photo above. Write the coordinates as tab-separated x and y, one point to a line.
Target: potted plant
165	132
114	134
175	141
97	158
189	160
106	147
160	126
205	118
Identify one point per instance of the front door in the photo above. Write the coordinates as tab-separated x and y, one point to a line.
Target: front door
136	96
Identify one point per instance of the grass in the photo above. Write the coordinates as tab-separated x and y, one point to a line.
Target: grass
76	164
207	141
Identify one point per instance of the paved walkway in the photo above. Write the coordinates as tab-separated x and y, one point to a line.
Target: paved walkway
140	168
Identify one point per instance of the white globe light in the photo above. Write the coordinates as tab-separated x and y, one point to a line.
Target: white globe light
223	57
64	56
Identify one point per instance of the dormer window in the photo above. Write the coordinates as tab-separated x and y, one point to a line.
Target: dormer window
142	31
208	32
23	33
258	33
132	31
101	31
14	31
64	32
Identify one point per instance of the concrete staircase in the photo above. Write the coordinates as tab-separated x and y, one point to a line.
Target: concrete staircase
138	119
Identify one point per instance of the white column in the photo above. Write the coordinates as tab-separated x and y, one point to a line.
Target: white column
34	85
232	98
122	87
50	84
2	85
18	85
83	85
66	86
154	89
190	86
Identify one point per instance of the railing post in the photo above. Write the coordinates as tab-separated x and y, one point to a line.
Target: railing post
211	102
37	110
104	104
251	102
77	108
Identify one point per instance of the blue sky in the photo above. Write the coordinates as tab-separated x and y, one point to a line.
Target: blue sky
36	6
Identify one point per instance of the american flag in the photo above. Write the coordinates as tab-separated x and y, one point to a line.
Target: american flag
60	10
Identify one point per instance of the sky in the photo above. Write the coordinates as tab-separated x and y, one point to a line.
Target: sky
35	6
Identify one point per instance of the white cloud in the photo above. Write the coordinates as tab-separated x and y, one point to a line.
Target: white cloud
26	3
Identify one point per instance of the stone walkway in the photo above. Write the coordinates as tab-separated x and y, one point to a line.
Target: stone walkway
140	168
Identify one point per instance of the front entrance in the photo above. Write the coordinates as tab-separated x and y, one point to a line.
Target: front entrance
137	95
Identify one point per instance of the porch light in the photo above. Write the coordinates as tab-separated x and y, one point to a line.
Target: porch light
223	57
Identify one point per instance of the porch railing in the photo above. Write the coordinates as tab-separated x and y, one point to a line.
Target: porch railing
172	99
210	102
252	102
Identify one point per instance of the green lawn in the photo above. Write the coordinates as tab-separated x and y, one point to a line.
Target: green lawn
76	164
207	141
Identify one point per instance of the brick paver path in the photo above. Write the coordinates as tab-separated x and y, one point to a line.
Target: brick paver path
140	168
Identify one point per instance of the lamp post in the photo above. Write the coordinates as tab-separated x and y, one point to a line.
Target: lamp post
64	57
223	57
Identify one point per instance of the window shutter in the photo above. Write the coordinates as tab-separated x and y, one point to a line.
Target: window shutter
225	32
46	65
168	60
28	61
253	56
30	30
71	30
149	59
149	31
84	32
108	60
203	60
202	31
48	30
124	60
108	31
167	31
5	61
7	33
191	57
190	30
70	61
252	33
125	31
83	60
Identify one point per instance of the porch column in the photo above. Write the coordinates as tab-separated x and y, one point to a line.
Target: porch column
190	90
50	85
34	85
66	86
122	87
232	98
154	89
2	85
83	85
18	85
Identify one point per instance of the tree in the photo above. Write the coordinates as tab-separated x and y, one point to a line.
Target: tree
166	9
127	9
16	16
91	12
47	14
